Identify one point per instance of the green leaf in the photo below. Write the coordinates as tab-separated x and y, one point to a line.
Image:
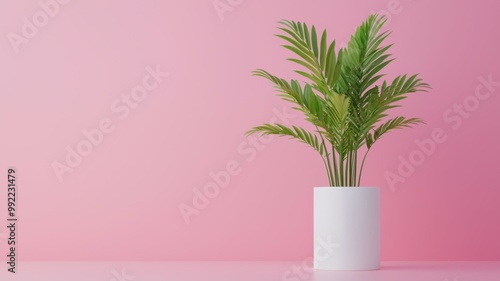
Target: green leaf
331	61
314	41
323	50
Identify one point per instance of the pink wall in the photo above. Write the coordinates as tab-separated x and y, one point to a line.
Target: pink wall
122	201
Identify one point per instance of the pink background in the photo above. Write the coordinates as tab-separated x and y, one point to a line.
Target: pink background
122	202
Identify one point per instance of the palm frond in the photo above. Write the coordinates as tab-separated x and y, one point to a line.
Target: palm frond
295	132
399	122
305	100
316	56
344	96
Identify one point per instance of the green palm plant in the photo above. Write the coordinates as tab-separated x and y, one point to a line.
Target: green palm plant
342	98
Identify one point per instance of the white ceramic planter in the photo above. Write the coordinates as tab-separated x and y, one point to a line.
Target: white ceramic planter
347	228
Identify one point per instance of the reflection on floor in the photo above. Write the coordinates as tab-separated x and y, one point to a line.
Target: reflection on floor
247	271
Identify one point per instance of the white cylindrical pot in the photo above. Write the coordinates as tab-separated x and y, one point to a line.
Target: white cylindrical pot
347	228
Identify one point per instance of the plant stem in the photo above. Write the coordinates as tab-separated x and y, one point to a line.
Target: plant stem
356	183
362	164
341	164
330	175
351	170
348	169
335	168
327	162
327	173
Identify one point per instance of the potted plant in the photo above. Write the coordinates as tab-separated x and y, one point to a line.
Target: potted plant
346	103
